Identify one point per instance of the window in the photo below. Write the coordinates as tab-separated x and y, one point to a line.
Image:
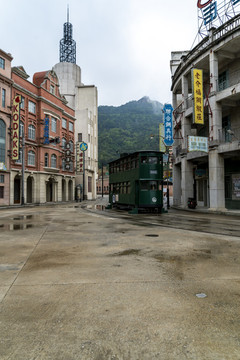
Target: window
46	161
70	126
89	184
3	98
71	166
31	158
19	161
2	63
2	179
1	192
64	123
52	89
79	137
31	132
31	107
54	124
71	145
64	143
223	81
22	105
2	140
63	164
53	161
21	127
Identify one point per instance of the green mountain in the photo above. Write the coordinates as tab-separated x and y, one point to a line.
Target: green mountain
128	128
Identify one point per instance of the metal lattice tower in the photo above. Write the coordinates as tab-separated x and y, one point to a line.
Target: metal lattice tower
67	44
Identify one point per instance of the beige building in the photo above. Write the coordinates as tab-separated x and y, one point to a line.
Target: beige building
211	177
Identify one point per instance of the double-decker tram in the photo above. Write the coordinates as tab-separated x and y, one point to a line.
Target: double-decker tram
136	181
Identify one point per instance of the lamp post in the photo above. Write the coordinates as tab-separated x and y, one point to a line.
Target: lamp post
23	164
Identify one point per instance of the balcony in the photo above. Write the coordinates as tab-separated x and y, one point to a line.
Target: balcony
229	140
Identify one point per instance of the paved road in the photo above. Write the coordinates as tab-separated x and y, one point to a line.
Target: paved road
80	284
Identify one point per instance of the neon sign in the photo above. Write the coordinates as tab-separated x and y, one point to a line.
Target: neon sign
201	6
15	127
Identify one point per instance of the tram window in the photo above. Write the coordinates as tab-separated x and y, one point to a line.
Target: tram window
153	160
144	185
153	185
144	159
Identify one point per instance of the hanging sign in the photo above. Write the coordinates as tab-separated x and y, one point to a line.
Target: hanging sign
197	80
197	143
46	130
162	146
15	127
168	124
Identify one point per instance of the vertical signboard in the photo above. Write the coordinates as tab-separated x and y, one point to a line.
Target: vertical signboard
162	146
15	127
168	124
46	130
197	83
79	159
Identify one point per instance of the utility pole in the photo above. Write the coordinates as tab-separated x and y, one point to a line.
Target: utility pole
102	180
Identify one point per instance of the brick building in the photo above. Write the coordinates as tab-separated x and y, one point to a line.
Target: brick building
48	127
5	116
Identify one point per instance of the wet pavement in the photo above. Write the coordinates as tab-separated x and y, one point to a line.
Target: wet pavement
80	282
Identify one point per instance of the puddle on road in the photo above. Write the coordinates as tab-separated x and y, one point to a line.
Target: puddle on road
127	252
12	227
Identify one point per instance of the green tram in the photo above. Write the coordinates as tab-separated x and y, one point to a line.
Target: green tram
136	181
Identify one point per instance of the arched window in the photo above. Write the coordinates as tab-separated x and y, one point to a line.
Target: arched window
71	145
63	164
46	160
2	140
64	143
21	127
53	161
19	161
31	158
31	132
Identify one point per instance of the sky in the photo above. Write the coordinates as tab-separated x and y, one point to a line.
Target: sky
123	46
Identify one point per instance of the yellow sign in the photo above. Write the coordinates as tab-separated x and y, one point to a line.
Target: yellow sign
162	146
197	79
15	127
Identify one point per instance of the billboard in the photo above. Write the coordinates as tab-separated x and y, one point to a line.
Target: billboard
198	108
197	143
15	127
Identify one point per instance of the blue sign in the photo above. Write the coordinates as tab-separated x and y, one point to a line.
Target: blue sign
168	125
210	13
46	130
83	146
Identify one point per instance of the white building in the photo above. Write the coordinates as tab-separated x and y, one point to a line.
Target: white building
84	100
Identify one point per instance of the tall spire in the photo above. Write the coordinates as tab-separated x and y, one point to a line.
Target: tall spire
67	44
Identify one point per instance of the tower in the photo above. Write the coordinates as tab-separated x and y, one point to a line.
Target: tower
67	44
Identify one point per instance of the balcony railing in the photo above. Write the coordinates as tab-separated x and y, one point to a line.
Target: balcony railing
229	135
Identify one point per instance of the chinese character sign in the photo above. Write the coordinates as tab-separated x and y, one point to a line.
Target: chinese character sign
162	146
15	127
168	124
197	80
46	130
197	143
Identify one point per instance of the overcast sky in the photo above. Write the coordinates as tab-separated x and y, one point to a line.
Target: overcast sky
123	46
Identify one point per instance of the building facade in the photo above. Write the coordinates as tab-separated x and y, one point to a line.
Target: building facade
84	100
212	177
5	117
47	126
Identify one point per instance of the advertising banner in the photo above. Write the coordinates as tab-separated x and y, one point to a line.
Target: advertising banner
197	143
198	111
162	146
46	130
15	127
168	124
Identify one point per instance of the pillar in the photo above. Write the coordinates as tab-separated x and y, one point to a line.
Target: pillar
216	181
186	181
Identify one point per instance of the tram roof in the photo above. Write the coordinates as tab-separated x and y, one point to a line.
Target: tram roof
124	155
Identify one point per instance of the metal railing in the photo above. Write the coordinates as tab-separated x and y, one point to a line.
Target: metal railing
229	135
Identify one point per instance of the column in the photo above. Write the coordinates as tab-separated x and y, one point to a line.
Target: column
177	193
216	181
186	181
